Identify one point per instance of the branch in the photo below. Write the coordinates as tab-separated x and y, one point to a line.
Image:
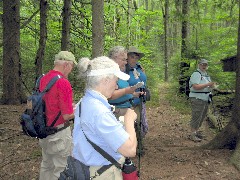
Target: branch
22	26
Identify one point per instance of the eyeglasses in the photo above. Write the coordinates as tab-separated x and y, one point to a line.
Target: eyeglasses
135	56
204	64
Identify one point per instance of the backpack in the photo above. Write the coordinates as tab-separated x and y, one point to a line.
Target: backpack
33	120
187	85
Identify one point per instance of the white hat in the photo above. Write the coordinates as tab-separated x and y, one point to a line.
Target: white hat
112	70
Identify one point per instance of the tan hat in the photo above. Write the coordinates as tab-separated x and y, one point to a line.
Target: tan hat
66	56
202	61
133	49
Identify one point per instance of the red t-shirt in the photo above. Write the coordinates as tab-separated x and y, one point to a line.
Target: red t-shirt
59	98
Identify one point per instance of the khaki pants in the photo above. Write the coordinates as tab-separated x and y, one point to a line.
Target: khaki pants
113	173
55	150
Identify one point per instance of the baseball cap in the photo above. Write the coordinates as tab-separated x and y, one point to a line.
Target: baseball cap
66	56
203	61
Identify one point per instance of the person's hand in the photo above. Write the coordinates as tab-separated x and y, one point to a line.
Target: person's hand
211	84
130	115
138	94
74	107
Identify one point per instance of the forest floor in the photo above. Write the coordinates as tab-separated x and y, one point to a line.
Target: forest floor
169	153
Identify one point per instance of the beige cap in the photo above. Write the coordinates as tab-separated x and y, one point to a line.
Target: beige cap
202	61
66	56
133	49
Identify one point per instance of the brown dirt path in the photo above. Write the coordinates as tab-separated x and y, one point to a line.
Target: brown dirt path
169	153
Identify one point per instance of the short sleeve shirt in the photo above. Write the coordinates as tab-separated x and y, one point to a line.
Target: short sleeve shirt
125	98
200	77
58	99
101	126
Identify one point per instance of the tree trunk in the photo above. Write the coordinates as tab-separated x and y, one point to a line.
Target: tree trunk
97	28
43	37
66	14
185	12
12	87
235	159
166	44
184	65
229	136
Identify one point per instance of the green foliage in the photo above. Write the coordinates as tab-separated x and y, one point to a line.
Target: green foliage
212	35
179	101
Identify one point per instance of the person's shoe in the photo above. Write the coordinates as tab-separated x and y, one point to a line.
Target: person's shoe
194	137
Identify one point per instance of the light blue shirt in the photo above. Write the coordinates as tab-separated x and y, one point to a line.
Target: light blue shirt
100	126
197	78
125	98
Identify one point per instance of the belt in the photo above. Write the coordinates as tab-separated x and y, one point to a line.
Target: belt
63	126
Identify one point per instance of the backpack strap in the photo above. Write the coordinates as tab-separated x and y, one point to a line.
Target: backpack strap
51	83
47	88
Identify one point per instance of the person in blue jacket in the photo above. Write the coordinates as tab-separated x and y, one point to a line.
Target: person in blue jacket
122	97
137	74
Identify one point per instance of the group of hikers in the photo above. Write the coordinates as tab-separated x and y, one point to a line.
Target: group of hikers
110	113
107	115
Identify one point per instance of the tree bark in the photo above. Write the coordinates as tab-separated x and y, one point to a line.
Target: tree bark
185	12
235	159
43	37
66	25
97	28
166	44
12	86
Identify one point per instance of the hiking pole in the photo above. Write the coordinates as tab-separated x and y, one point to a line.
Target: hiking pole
139	130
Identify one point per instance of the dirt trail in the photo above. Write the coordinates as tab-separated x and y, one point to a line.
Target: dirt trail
169	153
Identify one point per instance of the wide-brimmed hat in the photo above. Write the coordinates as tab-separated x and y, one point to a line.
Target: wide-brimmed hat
66	56
203	61
133	49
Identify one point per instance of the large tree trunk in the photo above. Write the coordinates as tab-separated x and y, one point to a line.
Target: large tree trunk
97	28
66	14
235	159
229	137
12	87
43	37
184	65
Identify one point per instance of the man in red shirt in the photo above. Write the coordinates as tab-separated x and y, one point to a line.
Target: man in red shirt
59	101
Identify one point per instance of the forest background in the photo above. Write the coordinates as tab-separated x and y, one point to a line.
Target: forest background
171	33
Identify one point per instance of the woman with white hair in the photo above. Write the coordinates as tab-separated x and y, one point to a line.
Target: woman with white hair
96	121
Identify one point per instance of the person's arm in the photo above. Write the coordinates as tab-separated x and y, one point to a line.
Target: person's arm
128	90
128	149
202	86
120	92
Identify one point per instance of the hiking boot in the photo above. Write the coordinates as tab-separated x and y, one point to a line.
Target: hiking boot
194	137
